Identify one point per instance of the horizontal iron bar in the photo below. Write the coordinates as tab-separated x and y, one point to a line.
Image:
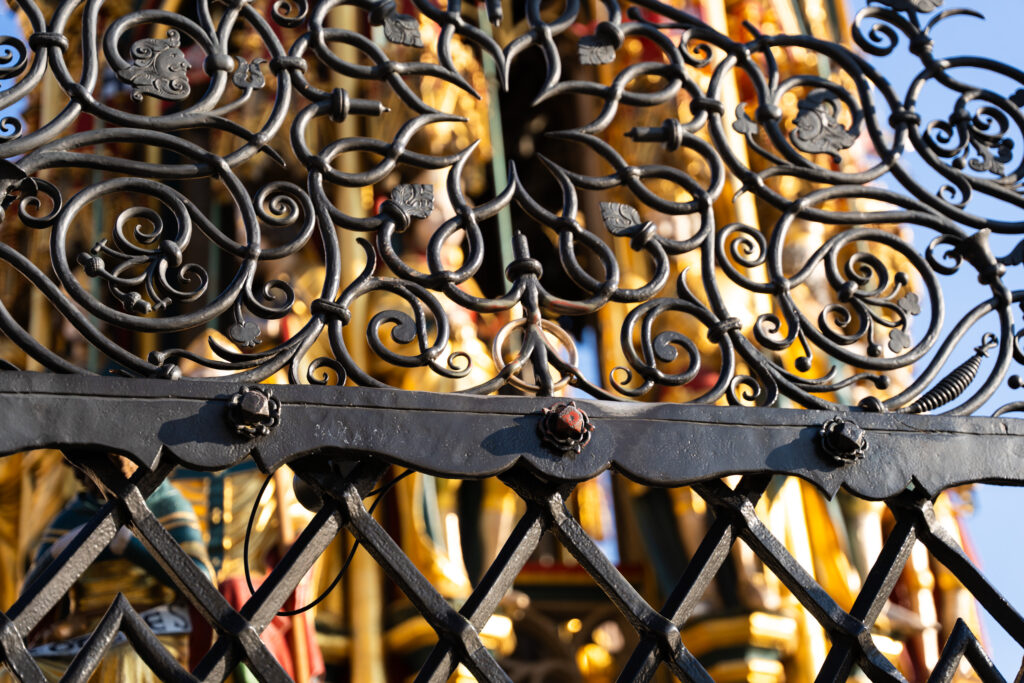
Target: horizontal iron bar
471	436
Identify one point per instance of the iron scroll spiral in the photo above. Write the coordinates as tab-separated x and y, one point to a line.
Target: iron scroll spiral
635	226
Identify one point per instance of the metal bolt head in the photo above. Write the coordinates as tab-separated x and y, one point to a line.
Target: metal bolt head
564	428
255	404
253	412
569	422
849	437
843	441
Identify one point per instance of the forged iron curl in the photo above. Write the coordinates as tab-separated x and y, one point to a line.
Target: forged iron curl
868	283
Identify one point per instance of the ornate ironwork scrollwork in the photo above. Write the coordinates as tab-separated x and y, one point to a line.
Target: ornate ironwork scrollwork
752	252
827	320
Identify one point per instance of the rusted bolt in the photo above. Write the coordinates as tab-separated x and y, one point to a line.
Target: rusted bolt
843	441
253	412
564	428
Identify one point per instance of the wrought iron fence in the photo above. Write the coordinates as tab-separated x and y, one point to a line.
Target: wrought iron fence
831	333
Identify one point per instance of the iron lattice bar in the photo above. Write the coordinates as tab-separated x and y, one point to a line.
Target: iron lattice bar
382	422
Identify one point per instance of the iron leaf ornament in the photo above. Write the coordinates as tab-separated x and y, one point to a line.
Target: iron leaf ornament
899	340
817	130
743	123
158	68
415	199
910	304
402	29
600	47
244	333
619	218
249	75
913	5
595	50
11	180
